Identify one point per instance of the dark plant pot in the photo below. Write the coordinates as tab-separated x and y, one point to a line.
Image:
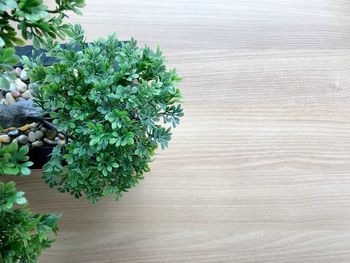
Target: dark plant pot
27	51
40	156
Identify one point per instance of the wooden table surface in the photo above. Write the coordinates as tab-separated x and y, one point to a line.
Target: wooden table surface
259	170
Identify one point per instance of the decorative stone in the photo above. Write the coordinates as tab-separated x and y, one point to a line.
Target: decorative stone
9	129
43	129
49	141
51	134
31	136
60	135
9	99
27	94
39	135
15	94
14	140
22	139
18	71
59	141
19	114
21	86
20	99
38	144
24	75
34	125
13	133
13	86
24	128
5	138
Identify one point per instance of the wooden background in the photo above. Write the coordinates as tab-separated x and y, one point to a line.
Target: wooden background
259	169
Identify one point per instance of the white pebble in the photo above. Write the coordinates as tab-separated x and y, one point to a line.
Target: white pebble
31	137
39	135
24	75
9	99
27	94
5	138
21	86
13	86
18	71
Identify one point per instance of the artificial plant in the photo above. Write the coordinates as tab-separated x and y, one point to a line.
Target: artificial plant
34	21
115	102
14	160
23	235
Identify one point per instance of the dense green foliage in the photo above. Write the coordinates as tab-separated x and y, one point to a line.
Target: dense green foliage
115	103
14	160
33	20
23	235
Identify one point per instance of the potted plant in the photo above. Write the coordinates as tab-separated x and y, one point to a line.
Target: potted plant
114	104
23	235
103	108
34	21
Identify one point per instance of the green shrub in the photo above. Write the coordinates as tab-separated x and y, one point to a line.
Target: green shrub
22	235
115	103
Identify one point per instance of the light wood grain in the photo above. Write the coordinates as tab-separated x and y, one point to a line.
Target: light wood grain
259	170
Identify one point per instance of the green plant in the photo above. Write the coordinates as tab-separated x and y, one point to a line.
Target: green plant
111	101
34	21
23	235
8	59
14	160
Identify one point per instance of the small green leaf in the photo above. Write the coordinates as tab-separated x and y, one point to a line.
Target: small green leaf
36	43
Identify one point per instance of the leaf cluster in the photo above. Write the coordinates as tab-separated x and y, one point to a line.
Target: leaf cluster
34	21
8	59
14	160
115	102
23	235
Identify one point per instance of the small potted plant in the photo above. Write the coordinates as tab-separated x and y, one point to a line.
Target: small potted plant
23	235
113	103
94	115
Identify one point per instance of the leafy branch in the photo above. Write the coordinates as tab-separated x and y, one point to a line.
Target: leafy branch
23	235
